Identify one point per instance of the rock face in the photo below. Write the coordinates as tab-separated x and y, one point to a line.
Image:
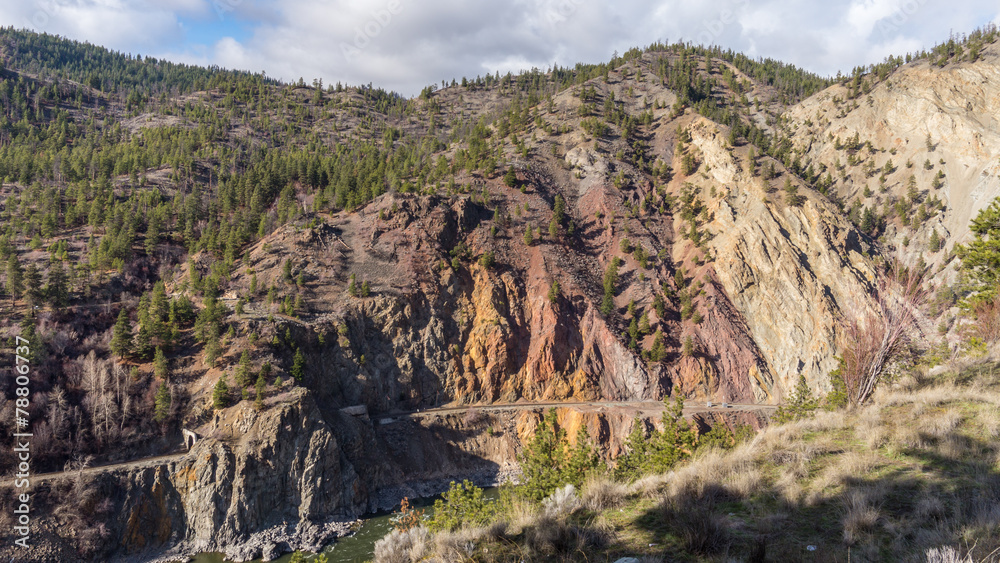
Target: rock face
259	472
791	272
939	120
297	475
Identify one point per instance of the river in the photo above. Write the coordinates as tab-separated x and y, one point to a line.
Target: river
356	548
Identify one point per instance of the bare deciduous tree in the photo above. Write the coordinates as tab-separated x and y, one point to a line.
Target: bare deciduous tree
873	340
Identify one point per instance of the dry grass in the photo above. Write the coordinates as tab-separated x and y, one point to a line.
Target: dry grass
651	486
402	546
941	425
989	418
845	467
870	429
860	516
458	545
946	554
930	507
915	471
715	474
600	492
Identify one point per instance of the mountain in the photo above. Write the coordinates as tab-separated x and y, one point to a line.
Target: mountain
284	269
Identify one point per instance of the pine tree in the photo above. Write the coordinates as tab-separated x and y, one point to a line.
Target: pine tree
644	327
659	306
298	365
161	367
658	352
161	405
510	178
981	256
675	442
629	467
159	312
220	394
799	405
633	333
243	375
258	401
559	210
610	286
121	337
581	459
528	236
352	287
33	285
142	343
213	348
15	278
56	290
543	459
554	292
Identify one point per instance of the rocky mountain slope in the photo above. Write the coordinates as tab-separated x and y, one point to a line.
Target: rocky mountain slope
656	227
933	123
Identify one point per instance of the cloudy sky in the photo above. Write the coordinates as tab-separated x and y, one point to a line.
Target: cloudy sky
404	45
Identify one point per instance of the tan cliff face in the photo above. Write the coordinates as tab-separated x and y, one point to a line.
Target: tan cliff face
791	272
937	119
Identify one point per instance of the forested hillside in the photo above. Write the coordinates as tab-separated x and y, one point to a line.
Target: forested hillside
219	252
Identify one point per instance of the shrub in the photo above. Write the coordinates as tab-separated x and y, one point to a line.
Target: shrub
800	405
548	462
561	502
402	546
462	504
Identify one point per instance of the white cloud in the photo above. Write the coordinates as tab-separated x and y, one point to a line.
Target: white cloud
404	45
863	15
135	25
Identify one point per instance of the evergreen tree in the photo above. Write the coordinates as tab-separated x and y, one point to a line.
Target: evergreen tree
121	336
220	394
243	371
298	365
56	289
543	459
559	210
33	286
629	467
161	367
554	292
658	352
352	287
799	405
675	442
981	256
610	287
161	405
258	401
510	178
581	459
15	277
935	241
